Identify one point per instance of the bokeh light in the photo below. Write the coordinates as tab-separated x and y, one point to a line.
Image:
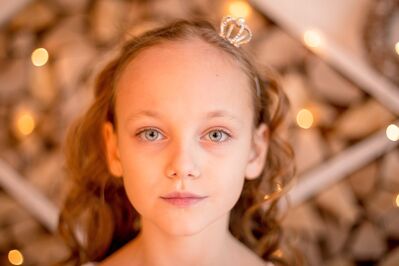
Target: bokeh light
304	118
312	39
397	200
25	123
39	57
392	132
397	48
278	253
15	257
239	9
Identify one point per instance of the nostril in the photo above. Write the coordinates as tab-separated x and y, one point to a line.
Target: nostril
194	173
170	173
190	173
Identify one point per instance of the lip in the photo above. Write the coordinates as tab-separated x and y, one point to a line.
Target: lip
182	199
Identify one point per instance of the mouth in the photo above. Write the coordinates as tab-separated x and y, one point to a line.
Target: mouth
182	199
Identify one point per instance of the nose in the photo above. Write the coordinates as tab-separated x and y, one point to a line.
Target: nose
181	162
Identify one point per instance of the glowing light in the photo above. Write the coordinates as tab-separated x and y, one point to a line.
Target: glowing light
277	189
312	39
397	48
304	118
397	200
15	257
392	132
278	253
239	9
25	123
39	57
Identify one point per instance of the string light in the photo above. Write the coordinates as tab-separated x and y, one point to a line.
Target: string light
15	257
39	57
239	9
304	118
392	132
397	48
24	123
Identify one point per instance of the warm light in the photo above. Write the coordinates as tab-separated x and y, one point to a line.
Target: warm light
15	257
25	123
39	57
392	132
278	253
312	39
397	47
304	118
239	9
397	200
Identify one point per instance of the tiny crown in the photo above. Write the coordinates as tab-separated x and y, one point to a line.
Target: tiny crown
227	26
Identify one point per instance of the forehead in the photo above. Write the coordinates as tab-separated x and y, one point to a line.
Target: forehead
189	73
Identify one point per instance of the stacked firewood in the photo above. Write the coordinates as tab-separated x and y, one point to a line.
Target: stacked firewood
353	222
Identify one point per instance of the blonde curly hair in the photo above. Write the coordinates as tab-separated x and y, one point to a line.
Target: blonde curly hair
91	205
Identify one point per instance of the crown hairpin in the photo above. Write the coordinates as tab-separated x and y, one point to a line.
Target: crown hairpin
227	26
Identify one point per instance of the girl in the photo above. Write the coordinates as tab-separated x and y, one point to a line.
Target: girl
172	161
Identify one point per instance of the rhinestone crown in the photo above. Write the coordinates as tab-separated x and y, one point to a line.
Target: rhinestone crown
227	26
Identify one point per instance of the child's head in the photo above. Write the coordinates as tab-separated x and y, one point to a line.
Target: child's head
179	110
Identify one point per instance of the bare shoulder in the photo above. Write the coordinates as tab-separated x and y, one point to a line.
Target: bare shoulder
251	259
123	257
242	255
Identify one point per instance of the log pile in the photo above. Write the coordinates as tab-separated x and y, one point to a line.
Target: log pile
353	222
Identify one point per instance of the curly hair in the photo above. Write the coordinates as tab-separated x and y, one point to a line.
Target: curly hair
91	205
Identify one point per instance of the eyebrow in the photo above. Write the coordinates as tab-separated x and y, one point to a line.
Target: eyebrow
209	115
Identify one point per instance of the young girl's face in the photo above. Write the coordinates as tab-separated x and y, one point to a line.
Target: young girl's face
185	115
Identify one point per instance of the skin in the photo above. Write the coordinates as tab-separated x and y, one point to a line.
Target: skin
184	113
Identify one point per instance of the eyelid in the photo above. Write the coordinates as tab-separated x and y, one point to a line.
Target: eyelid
144	129
223	130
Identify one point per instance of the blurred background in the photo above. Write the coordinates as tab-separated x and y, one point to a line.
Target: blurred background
339	65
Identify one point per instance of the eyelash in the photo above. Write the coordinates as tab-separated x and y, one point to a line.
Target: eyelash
229	136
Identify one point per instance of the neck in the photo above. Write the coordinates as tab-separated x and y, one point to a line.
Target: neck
207	247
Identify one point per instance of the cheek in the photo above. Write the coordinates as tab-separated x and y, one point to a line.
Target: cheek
229	181
140	190
134	194
139	179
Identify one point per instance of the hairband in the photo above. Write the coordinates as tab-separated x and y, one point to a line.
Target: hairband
243	36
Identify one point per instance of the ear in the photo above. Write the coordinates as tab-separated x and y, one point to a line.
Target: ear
257	157
112	150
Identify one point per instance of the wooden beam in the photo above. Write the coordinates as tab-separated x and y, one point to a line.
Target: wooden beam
32	200
328	173
298	16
